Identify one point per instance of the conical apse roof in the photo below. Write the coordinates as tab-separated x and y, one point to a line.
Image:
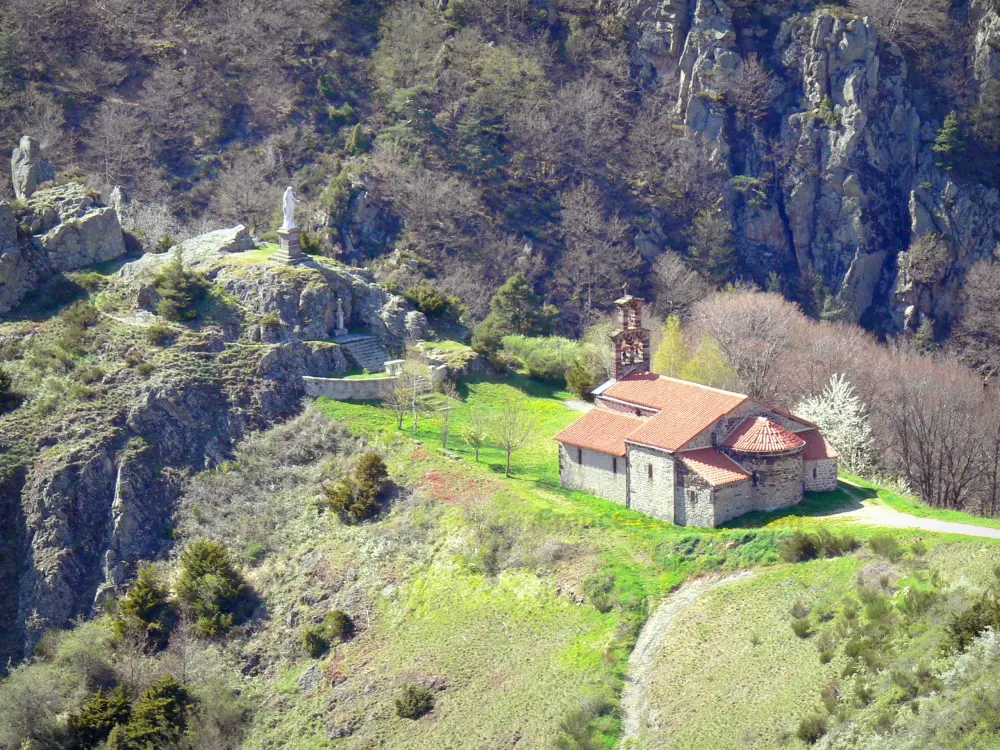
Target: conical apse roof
761	435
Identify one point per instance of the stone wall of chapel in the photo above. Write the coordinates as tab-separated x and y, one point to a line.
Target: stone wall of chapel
694	500
593	472
651	482
780	484
733	500
821	475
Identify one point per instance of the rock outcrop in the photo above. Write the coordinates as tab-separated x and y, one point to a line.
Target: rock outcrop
292	303
29	168
62	228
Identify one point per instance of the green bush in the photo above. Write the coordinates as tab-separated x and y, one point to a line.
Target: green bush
6	382
336	627
145	609
886	546
91	725
211	587
180	290
798	547
355	496
811	728
800	609
432	303
544	357
514	309
801	627
314	642
414	702
599	587
968	624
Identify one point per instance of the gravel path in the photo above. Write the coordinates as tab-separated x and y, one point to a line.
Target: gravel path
882	515
578	405
640	662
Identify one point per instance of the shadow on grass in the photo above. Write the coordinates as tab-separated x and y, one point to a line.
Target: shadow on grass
529	386
813	505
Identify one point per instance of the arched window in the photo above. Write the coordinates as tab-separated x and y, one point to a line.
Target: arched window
638	351
625	353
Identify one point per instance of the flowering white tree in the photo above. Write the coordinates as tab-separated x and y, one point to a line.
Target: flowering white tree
843	420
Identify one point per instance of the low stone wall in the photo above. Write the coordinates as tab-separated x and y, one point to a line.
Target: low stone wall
359	389
339	389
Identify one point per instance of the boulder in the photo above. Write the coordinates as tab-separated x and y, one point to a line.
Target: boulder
28	168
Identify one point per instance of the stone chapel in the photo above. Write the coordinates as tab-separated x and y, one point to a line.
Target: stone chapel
687	453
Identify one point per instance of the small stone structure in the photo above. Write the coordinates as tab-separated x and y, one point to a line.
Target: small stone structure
684	452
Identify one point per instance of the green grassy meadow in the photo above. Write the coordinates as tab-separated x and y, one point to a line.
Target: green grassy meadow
732	654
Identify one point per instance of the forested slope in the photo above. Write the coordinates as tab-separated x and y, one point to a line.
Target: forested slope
844	155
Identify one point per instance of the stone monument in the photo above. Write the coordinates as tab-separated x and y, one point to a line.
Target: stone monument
289	235
341	329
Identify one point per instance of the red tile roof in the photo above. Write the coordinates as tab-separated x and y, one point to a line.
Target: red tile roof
785	413
714	467
817	446
686	408
600	430
761	435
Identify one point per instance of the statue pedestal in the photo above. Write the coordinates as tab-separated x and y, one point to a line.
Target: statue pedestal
290	247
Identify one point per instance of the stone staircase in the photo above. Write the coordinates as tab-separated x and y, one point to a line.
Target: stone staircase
366	352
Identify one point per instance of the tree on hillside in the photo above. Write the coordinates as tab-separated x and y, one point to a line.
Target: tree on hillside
211	587
145	609
247	194
599	256
843	420
515	308
180	289
711	242
672	353
949	144
676	286
512	427
751	88
476	428
708	366
977	331
752	331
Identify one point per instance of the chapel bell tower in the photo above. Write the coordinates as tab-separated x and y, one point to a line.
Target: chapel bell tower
630	343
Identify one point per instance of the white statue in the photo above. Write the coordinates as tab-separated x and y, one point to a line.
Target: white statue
340	315
288	205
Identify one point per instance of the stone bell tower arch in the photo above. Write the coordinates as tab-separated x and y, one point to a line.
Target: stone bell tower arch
631	342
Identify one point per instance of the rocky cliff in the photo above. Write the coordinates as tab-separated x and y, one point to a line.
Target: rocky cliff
53	230
88	490
844	157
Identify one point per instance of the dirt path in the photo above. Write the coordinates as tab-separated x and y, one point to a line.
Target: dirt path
578	405
640	662
882	515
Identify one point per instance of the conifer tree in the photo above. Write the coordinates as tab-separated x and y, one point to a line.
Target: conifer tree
515	308
145	609
97	717
949	143
159	718
180	289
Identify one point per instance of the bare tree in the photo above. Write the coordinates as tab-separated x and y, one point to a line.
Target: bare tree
977	333
394	398
599	256
752	331
247	193
117	141
40	116
476	428
449	399
751	88
512	426
676	286
910	23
